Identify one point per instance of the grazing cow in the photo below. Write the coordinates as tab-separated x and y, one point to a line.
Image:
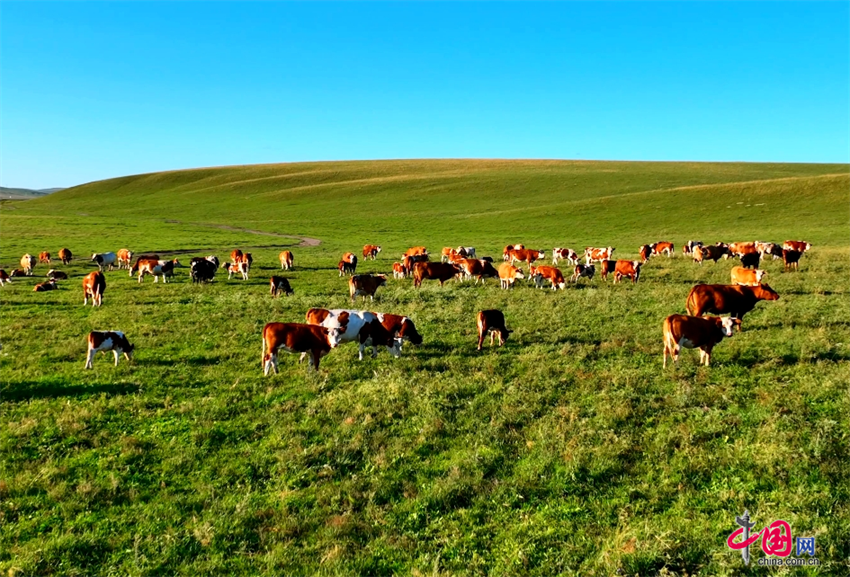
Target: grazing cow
769	248
733	299
103	341
363	327
94	285
248	260
347	266
798	245
57	275
236	256
449	254
18	273
164	268
746	277
145	257
28	263
314	340
65	255
663	247
416	251
439	271
741	248
567	254
583	270
105	259
526	255
627	269
400	327
688	247
712	252
125	257
371	251
48	285
365	285
4	278
508	274
750	260
234	268
506	253
399	270
280	285
285	260
44	257
550	273
478	269
605	267
791	258
466	251
695	333
645	251
202	270
492	321
592	255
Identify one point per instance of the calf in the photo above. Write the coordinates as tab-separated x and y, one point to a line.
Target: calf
125	257
750	260
363	327
746	277
234	268
56	275
285	260
45	286
371	251
508	274
688	247
597	254
627	269
606	267
65	255
94	285
399	270
695	333
733	299
492	321
791	258
164	268
312	340
365	285
645	251
102	341
583	270
18	273
105	259
346	267
550	273
202	270
567	254
798	245
434	271
28	263
663	247
478	269
44	257
280	285
4	278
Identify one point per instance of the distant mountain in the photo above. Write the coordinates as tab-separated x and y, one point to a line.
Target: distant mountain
24	193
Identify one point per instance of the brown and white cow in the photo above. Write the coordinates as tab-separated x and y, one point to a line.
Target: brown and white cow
103	341
550	273
18	273
791	258
592	254
28	262
645	251
477	269
583	270
566	254
733	299
365	285
526	255
627	269
371	251
695	333
448	254
662	247
747	277
316	341
439	271
163	268
4	277
65	255
247	260
48	285
236	256
798	245
742	248
134	270
285	260
607	267
506	253
105	259
508	274
44	257
416	251
688	247
362	327
399	270
769	248
491	321
94	285
401	327
347	266
125	257
279	285
240	268
711	252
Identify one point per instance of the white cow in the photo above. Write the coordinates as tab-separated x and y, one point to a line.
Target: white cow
351	325
103	259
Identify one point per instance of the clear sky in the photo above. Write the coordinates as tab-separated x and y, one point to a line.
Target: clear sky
95	90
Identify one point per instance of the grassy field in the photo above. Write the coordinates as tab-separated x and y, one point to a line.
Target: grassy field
568	451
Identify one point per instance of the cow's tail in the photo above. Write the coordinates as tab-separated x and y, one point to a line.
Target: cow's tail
263	355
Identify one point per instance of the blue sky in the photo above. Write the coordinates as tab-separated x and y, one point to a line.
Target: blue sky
95	90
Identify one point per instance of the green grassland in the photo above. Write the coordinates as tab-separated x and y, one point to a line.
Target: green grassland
568	451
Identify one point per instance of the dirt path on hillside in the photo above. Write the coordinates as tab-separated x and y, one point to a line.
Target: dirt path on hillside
305	240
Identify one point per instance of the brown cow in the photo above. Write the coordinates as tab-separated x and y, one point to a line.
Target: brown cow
415	251
798	245
347	266
583	270
747	277
733	299
550	273
711	252
399	270
741	248
791	258
663	247
605	267
240	268
94	285
65	255
645	251
400	327
48	285
44	257
448	253
371	251
296	338
506	253
125	257
508	274
102	341
478	269
492	321
285	260
695	333
627	269
18	273
4	278
597	254
144	258
439	271
236	256
525	255
247	260
365	285
56	275
279	285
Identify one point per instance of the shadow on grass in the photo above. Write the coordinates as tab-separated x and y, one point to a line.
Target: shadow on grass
36	390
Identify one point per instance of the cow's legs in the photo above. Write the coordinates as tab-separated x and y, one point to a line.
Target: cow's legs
90	358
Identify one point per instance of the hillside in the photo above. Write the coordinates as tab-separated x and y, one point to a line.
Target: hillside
25	193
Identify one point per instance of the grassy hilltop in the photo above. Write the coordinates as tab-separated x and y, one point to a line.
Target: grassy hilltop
569	451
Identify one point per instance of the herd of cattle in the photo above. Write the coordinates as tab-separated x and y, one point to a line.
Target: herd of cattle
326	329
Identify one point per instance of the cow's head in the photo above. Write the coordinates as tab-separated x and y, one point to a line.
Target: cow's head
726	324
518	273
334	336
95	257
765	293
760	275
408	331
